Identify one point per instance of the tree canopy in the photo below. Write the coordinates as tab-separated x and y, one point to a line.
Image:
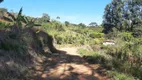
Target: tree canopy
67	23
93	24
82	25
1	1
124	15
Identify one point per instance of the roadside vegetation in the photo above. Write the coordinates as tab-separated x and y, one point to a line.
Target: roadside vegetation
24	40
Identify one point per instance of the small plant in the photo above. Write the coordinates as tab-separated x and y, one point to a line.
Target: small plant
30	23
19	20
2	25
16	20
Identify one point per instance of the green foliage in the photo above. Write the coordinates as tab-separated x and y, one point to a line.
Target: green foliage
30	23
112	35
120	76
67	23
44	19
82	25
98	41
127	57
96	29
13	42
69	38
20	20
92	57
124	15
17	20
127	36
2	25
57	25
96	35
74	35
1	1
137	32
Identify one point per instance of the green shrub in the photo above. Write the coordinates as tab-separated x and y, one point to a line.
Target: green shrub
96	29
97	41
120	76
137	32
70	37
127	36
113	35
92	57
96	35
4	25
127	57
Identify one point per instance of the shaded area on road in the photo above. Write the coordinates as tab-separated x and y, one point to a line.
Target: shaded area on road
64	66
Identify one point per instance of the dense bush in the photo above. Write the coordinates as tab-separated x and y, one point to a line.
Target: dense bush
97	29
96	35
120	76
2	24
127	57
70	38
91	56
72	35
127	36
137	32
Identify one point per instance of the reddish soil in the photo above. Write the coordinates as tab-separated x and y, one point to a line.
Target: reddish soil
68	65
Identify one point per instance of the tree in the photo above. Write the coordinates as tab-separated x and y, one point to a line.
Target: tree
67	23
82	25
57	17
113	16
124	15
107	22
134	14
93	24
1	1
45	18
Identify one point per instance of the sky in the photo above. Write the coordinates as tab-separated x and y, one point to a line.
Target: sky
74	11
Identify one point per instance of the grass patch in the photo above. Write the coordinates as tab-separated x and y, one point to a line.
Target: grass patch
120	76
93	57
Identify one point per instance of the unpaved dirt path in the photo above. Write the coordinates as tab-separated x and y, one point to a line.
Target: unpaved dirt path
69	65
71	51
